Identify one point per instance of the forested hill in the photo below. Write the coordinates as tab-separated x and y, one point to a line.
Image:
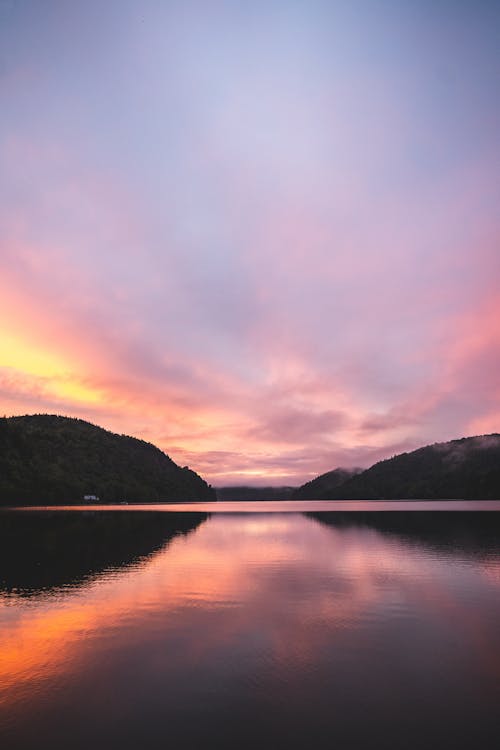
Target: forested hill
322	487
468	468
51	459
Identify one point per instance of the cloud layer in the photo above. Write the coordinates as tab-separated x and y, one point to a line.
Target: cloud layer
266	239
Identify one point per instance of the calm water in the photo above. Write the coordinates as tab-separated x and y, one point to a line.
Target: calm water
344	629
293	506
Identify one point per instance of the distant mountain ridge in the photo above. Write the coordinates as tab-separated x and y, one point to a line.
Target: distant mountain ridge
468	468
49	459
252	494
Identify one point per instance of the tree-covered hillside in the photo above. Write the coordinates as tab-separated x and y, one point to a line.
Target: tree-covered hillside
468	468
322	487
51	459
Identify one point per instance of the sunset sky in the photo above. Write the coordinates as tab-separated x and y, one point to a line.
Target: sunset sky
264	235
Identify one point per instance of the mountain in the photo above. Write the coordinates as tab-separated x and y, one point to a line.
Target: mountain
322	487
468	468
51	459
254	493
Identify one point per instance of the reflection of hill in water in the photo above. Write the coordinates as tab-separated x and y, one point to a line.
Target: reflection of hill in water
469	532
40	551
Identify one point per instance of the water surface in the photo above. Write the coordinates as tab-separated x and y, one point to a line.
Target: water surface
288	506
249	629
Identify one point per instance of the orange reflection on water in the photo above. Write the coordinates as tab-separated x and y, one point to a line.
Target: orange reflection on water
283	586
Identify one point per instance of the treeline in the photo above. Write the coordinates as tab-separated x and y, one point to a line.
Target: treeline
249	494
52	459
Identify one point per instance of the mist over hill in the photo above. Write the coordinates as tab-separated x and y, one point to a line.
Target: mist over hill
468	468
51	459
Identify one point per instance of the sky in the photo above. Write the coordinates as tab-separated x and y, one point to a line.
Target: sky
264	236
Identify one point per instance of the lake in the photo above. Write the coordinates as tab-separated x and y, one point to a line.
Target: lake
245	625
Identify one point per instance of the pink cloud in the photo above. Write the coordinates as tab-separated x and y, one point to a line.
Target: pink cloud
266	272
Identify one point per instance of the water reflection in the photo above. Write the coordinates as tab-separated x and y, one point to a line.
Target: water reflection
271	630
455	531
43	550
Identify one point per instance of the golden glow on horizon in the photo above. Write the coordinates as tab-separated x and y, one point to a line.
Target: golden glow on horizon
22	356
224	434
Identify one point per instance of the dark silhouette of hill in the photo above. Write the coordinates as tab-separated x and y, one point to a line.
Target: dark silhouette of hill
47	459
254	493
468	469
321	487
44	550
472	533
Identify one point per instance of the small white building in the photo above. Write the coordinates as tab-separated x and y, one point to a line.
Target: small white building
91	498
